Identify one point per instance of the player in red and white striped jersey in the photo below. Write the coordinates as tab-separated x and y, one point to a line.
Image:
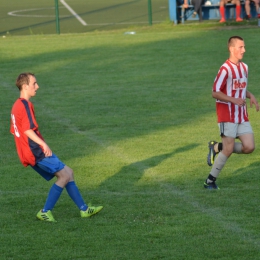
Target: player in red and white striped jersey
231	81
230	92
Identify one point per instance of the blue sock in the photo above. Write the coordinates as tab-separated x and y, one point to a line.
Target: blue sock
52	198
75	195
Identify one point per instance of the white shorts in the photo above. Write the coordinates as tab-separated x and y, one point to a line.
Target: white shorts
235	130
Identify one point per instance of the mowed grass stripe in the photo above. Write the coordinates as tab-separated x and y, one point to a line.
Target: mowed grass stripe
132	116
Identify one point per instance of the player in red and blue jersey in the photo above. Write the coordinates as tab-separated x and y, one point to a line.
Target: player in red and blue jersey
34	151
230	92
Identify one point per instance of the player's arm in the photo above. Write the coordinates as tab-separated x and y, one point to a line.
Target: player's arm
225	98
33	136
220	85
252	100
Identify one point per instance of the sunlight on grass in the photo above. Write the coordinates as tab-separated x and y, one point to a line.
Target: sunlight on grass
132	116
157	157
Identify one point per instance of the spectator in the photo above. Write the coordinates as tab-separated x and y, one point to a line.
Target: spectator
247	8
196	3
222	10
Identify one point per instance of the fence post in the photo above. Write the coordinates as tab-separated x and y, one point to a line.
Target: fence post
150	12
57	16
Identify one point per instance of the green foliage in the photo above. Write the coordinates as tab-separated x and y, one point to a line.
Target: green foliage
132	115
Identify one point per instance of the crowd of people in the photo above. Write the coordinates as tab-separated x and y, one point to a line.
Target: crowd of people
198	3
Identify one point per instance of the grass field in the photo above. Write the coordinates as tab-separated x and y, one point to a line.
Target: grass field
132	115
38	17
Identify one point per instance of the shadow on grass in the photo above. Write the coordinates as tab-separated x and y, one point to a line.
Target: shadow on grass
127	93
245	178
129	175
253	167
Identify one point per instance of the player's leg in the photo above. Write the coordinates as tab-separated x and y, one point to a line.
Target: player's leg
247	9
222	11
228	132
257	6
50	167
72	188
46	215
47	168
238	10
75	195
246	136
243	131
248	143
219	163
214	149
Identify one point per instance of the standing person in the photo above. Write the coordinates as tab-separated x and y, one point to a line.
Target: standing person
34	151
230	92
222	10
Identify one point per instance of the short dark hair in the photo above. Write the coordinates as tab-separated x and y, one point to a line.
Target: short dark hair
232	39
23	78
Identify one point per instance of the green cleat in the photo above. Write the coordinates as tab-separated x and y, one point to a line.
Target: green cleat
45	216
212	153
90	211
211	186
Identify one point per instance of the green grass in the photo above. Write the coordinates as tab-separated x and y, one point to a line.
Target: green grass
29	17
38	17
132	115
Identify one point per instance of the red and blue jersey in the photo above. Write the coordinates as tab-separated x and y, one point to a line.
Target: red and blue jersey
23	119
232	81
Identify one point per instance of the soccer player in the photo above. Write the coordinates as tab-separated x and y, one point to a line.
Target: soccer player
34	151
222	10
230	92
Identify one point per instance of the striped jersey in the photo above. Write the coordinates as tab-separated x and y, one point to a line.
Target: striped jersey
232	81
22	119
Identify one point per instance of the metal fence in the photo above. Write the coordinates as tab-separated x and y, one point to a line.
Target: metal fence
77	16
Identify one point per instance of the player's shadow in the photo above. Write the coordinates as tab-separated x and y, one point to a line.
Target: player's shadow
251	171
129	175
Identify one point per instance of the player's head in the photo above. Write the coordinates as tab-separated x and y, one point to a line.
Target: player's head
23	78
233	40
236	47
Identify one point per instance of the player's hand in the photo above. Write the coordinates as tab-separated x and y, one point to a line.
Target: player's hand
240	102
254	101
47	151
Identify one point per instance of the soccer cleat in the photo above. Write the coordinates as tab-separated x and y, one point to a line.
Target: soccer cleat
239	19
222	20
90	211
248	17
45	216
212	153
210	186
